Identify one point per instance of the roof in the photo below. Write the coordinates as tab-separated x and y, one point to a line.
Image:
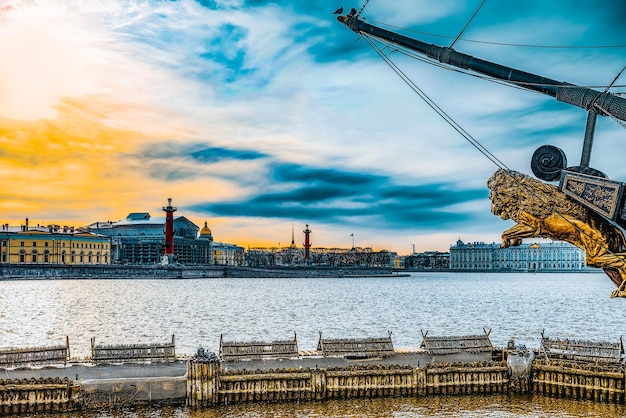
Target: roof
206	230
150	220
40	230
601	351
255	350
137	216
457	344
356	347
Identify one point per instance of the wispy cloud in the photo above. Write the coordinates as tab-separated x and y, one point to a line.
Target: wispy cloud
257	113
335	196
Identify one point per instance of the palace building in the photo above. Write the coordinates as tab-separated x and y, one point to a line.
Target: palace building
548	256
52	244
140	239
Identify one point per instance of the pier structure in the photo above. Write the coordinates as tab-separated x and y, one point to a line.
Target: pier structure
277	371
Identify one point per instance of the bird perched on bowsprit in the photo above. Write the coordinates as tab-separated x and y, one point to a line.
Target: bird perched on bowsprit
338	11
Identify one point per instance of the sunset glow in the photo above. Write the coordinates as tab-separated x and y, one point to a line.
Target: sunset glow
256	116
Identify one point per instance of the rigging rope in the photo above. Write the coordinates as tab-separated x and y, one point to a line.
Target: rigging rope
435	107
371	41
467	24
606	112
362	7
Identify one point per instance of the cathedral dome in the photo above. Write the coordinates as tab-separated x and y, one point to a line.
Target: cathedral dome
206	232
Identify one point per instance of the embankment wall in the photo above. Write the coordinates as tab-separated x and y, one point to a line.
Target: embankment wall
53	271
35	272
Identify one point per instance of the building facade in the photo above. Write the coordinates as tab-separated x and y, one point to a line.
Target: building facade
319	257
548	256
140	239
53	245
429	260
225	254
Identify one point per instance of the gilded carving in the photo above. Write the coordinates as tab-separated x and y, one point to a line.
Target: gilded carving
602	194
541	210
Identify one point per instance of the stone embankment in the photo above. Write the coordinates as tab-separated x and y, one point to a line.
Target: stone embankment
39	272
232	271
30	271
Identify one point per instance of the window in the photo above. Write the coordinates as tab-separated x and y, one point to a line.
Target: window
34	244
22	257
63	257
46	257
45	244
34	257
22	244
73	258
82	257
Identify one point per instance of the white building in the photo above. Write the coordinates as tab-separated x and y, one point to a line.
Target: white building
548	256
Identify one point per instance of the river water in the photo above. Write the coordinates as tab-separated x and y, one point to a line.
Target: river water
197	312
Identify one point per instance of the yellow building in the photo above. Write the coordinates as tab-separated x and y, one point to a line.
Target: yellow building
227	254
52	245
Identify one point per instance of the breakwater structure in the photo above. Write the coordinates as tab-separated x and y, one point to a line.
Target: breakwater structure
43	379
353	368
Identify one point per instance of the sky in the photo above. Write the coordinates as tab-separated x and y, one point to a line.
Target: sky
260	117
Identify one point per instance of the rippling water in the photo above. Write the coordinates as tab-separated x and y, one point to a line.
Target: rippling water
495	406
43	312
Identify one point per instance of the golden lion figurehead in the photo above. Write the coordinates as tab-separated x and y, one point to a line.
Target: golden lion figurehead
511	191
541	210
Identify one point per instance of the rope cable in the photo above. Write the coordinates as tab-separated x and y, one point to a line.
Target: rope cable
362	7
597	105
467	24
436	107
476	143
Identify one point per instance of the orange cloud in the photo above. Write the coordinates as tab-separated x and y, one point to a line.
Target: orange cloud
54	168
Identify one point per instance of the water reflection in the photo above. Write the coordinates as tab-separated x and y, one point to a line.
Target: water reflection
435	406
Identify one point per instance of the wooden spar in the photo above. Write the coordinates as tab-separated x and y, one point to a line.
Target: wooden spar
583	97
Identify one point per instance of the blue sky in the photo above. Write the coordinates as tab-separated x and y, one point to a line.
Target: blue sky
259	115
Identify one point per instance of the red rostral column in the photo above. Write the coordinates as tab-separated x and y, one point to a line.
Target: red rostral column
169	228
307	243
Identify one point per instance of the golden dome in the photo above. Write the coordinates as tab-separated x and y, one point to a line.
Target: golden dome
206	231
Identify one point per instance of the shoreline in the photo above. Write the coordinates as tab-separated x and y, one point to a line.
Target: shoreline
128	272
